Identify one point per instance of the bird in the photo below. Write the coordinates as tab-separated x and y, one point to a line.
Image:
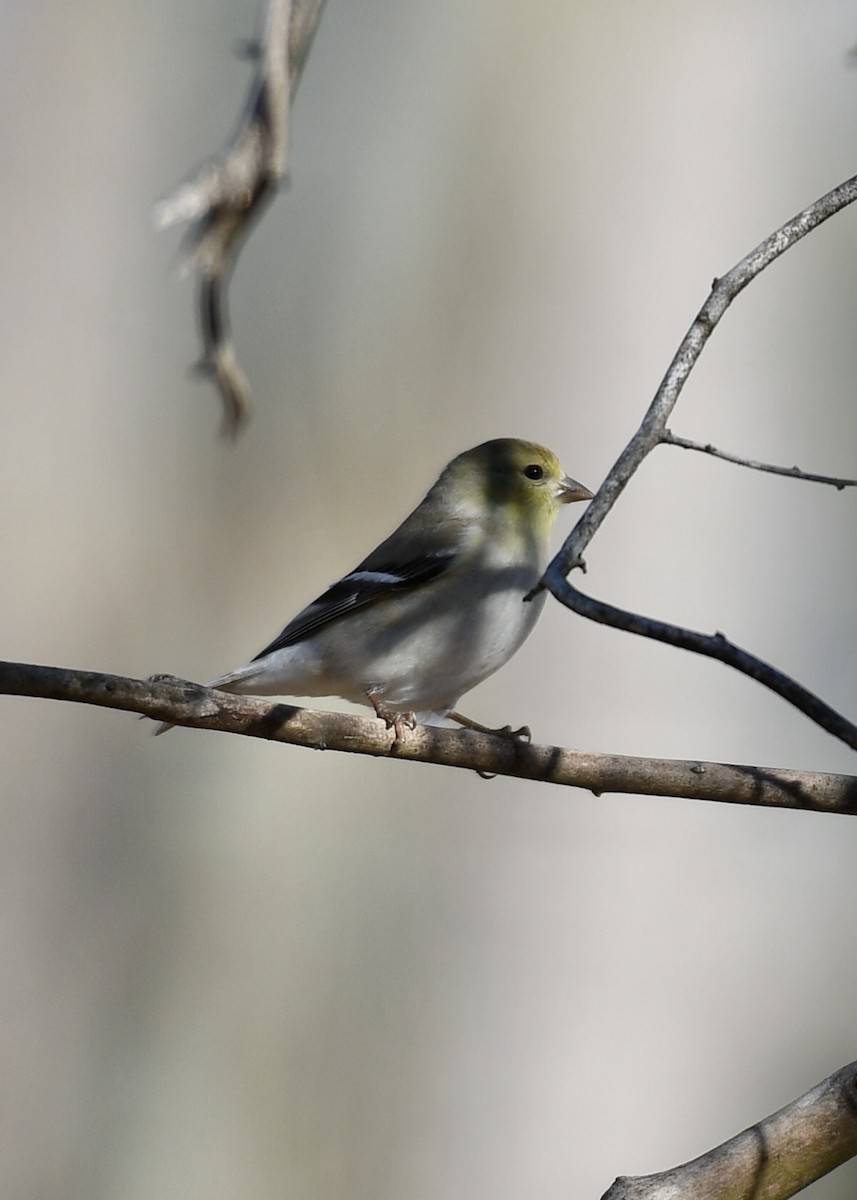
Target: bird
440	605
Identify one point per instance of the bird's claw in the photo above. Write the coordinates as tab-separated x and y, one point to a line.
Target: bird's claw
397	721
522	736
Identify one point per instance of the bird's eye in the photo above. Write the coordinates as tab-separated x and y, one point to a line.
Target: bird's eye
534	471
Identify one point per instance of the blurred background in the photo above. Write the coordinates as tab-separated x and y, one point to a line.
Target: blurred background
239	969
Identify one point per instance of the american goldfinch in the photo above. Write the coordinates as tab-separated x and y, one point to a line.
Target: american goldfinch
439	606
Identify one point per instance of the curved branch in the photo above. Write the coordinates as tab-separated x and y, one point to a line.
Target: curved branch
165	698
711	646
771	1160
229	193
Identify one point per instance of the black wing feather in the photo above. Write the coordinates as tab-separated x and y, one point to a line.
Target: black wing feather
365	585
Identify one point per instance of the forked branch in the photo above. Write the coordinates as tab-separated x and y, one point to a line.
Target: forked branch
654	432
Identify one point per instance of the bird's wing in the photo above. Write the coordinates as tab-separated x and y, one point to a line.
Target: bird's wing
375	578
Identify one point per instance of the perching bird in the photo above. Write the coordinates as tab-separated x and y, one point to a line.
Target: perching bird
437	607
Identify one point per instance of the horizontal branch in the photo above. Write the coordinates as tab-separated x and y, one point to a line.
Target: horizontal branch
182	703
771	1160
672	439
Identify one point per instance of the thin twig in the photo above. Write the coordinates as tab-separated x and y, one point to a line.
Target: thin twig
182	703
672	439
229	193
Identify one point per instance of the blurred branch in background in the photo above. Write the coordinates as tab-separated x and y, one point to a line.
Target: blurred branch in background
165	698
231	190
773	1159
654	432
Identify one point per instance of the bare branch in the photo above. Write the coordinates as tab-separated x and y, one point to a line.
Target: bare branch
713	646
653	432
230	191
771	1160
179	702
671	439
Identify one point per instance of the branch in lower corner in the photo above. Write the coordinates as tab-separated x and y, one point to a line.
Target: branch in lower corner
775	1158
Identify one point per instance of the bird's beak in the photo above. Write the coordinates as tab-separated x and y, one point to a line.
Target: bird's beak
570	490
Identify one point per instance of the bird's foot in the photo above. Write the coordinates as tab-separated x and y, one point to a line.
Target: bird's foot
392	718
523	735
